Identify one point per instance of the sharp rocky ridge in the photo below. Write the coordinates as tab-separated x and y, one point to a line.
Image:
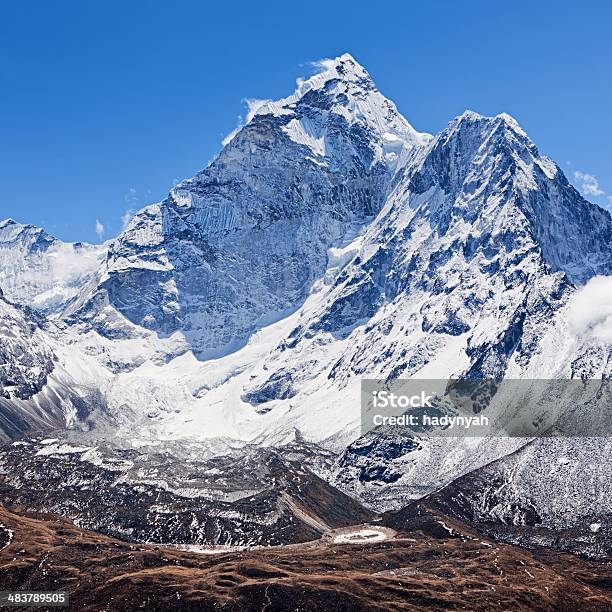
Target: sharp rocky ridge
328	241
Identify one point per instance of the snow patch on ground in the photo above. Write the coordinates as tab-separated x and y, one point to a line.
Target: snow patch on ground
361	536
10	535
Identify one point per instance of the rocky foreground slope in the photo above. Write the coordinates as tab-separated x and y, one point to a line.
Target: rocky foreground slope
426	562
239	498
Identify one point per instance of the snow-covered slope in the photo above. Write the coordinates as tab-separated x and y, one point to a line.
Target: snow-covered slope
44	384
553	492
45	273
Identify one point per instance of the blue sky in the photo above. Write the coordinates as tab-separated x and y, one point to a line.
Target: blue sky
105	104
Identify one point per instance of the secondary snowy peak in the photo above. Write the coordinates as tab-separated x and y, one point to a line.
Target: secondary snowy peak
40	271
343	90
488	168
474	149
464	272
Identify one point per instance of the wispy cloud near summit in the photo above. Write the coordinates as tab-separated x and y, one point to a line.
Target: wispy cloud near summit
100	229
589	185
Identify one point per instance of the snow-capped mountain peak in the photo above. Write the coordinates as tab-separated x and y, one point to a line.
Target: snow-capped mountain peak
41	271
342	91
341	69
440	257
490	167
245	238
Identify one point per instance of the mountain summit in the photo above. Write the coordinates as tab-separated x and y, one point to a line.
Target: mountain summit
345	89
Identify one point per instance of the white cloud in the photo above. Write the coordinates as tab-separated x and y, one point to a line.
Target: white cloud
126	217
253	105
323	65
132	199
99	229
229	137
69	264
590	310
589	183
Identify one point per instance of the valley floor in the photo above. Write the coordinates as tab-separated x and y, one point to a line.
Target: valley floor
428	562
